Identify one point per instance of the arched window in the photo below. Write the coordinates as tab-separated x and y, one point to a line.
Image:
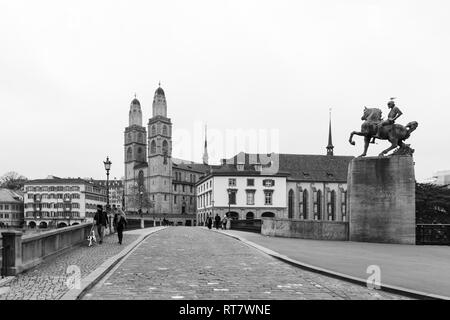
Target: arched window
164	130
332	205
129	154
165	147
153	147
141	178
344	205
140	137
319	204
305	204
268	215
250	216
153	130
139	150
291	204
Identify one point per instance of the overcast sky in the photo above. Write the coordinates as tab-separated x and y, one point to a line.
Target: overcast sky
69	70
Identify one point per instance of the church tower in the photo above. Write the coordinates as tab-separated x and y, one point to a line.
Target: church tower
330	146
135	147
205	151
160	155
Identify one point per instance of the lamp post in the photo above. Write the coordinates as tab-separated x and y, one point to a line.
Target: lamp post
107	164
229	202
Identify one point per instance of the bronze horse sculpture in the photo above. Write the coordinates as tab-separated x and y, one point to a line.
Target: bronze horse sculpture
396	134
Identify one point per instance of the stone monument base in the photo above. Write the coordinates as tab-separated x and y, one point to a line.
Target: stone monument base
381	195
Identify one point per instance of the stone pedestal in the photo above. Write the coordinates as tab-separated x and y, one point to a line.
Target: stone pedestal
12	253
381	195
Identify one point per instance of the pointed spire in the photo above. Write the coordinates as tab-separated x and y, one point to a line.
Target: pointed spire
205	151
330	146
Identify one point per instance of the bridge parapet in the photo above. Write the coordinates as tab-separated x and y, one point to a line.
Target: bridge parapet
22	252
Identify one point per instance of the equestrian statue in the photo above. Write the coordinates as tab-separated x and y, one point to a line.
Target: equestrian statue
374	127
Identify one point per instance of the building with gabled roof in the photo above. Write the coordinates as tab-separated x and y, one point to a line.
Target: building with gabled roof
11	208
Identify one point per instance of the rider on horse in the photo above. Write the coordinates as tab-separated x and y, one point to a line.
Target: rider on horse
393	115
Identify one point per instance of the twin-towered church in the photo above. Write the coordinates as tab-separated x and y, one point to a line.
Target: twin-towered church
168	183
162	187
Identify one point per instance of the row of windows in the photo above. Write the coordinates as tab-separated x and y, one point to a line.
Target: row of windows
183	188
52	214
14	207
51	205
52	188
206	199
205	186
140	137
165	147
38	196
10	215
95	190
317	199
95	198
251	182
164	130
179	176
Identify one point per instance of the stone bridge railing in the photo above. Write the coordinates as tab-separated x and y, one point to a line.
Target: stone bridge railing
306	229
22	252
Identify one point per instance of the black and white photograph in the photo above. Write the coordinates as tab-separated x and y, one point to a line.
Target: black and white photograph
220	158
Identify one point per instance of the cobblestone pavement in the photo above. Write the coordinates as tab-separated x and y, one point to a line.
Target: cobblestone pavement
194	263
48	279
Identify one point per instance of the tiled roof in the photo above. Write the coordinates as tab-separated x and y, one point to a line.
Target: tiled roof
304	167
10	196
191	166
57	180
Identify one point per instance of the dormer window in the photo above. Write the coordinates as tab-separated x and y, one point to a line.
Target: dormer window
240	166
258	167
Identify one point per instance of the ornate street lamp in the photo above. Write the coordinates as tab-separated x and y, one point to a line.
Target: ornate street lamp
107	164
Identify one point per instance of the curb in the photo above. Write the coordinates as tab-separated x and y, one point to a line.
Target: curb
384	287
95	276
6	280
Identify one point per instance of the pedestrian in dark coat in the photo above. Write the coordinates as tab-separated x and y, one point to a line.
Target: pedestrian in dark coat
101	221
217	221
209	222
120	221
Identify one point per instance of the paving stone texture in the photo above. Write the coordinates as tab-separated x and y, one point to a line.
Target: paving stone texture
47	281
195	263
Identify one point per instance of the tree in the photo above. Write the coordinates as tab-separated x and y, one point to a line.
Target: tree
432	203
12	180
136	200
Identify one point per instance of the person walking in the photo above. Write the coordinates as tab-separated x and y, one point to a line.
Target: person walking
101	221
120	222
224	222
209	222
217	221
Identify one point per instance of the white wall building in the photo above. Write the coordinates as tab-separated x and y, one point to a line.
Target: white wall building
310	187
61	202
245	194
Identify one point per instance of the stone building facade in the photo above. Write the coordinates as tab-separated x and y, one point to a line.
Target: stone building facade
11	208
305	187
156	184
60	202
